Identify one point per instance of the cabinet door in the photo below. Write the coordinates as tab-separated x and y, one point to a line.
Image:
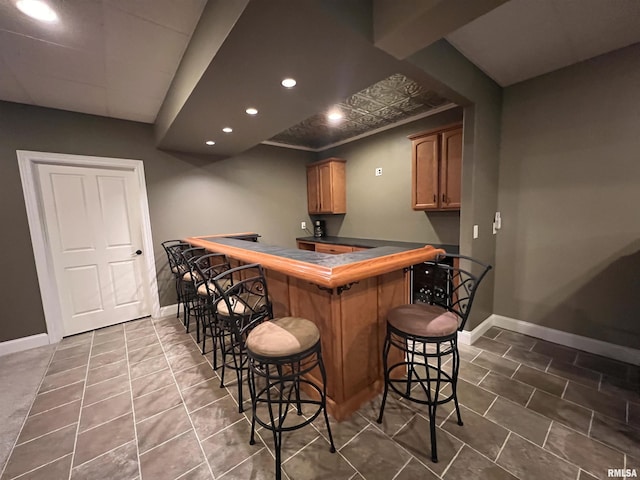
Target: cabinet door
425	173
309	246
333	249
338	188
313	192
451	170
326	191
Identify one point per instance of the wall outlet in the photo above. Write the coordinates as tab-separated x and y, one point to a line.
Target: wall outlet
475	231
303	225
378	171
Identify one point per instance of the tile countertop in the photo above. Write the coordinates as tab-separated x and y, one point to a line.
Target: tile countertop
315	258
371	243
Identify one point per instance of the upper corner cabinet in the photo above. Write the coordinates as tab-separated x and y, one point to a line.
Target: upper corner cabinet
326	186
436	169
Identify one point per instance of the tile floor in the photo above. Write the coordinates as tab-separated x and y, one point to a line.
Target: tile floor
139	401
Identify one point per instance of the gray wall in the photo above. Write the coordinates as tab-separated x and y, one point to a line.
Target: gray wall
568	255
263	190
480	157
380	207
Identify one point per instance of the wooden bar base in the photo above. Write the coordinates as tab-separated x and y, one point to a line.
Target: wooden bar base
351	317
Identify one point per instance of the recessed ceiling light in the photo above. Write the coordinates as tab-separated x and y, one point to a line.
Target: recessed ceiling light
289	82
227	129
252	111
37	9
335	116
210	142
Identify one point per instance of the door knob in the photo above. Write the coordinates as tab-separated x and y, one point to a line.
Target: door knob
138	252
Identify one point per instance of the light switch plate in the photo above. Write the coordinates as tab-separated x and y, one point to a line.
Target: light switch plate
475	231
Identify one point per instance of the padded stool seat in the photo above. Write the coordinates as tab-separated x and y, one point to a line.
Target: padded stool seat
423	320
190	277
209	286
241	304
179	269
283	337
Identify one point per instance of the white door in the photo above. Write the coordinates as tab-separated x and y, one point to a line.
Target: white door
94	230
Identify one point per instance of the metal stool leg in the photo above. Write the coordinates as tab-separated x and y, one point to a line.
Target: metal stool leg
454	380
276	426
434	405
296	385
385	366
254	403
324	402
179	296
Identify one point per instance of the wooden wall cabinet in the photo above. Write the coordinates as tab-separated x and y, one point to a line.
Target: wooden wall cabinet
436	169
326	186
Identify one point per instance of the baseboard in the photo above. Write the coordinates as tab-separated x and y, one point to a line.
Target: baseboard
168	310
24	343
467	337
586	344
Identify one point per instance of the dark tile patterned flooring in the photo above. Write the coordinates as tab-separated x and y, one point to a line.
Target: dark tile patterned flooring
139	401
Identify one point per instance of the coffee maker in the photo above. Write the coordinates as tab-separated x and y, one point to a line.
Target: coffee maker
319	228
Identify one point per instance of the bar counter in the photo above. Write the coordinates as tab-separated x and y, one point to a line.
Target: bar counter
347	296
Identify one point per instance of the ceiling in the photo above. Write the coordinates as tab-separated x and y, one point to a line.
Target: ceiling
114	58
396	99
192	67
522	39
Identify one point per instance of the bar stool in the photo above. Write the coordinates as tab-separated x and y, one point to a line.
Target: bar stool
173	249
426	333
207	267
241	304
188	282
278	352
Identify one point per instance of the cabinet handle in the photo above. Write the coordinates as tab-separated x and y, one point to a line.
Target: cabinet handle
444	198
434	198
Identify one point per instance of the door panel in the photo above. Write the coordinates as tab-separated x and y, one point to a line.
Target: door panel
94	228
115	215
425	178
313	194
84	289
326	201
71	212
451	173
124	278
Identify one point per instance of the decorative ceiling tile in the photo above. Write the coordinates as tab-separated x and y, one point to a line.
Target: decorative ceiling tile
369	120
391	100
362	102
410	105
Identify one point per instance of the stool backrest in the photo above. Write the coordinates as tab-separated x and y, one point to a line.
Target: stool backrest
452	287
188	258
208	267
243	291
174	249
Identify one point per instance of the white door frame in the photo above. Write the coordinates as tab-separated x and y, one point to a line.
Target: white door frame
28	163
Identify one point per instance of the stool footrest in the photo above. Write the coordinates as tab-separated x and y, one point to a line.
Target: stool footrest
408	382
